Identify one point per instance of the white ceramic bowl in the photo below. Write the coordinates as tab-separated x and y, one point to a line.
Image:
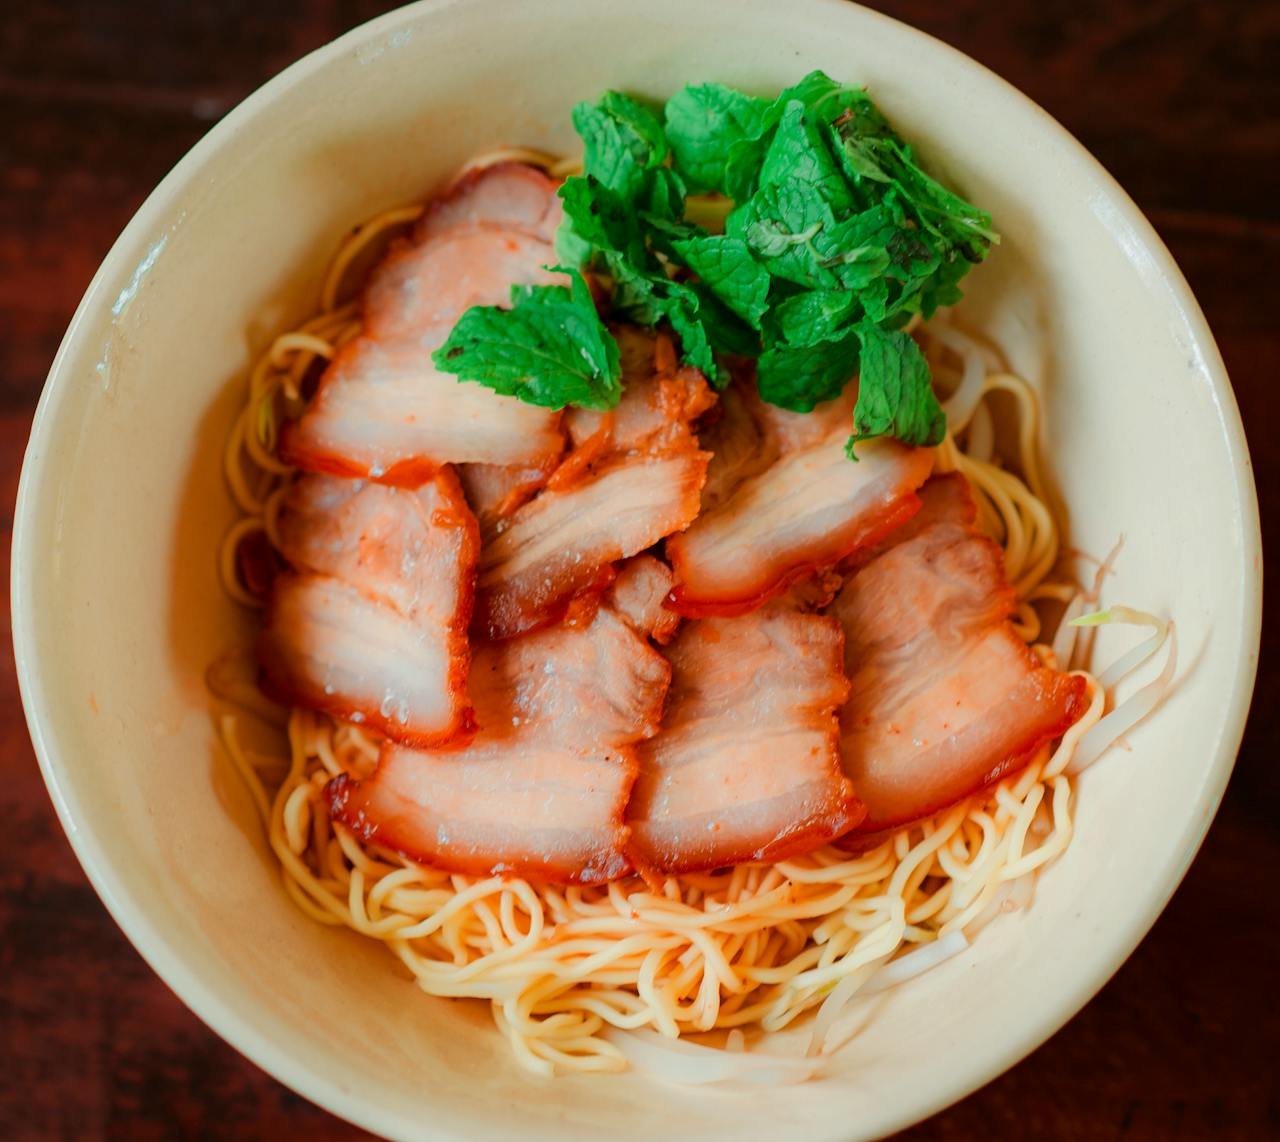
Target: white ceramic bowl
117	609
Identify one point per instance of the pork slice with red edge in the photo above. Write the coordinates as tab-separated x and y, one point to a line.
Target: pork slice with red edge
384	412
495	491
415	549
746	765
565	542
945	697
509	195
745	435
738	445
651	407
789	431
639	594
375	630
541	790
326	645
419	292
808	510
632	476
549	813
491	230
660	399
382	409
944	498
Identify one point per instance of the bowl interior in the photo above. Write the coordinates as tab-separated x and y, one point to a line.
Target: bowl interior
117	607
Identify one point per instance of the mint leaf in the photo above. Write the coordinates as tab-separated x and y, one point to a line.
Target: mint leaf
661	201
682	312
818	315
703	324
942	287
895	393
601	218
729	272
874	299
792	230
829	100
836	238
861	248
638	296
713	132
911	258
783	225
622	140
572	249
726	331
935	210
799	378
800	153
550	348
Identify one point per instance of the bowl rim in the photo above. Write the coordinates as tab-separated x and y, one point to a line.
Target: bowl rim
260	1043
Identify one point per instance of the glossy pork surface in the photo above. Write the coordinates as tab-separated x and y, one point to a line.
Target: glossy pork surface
373	626
542	789
945	697
746	765
383	410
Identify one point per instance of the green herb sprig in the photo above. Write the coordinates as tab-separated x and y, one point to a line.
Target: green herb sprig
834	238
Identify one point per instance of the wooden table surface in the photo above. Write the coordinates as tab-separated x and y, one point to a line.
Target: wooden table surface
1179	100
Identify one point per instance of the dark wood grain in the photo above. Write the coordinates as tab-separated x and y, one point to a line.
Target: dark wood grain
1179	100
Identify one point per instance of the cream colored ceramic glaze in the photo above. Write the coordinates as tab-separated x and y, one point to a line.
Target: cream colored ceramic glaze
117	609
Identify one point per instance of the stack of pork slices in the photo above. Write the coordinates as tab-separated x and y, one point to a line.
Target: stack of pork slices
676	636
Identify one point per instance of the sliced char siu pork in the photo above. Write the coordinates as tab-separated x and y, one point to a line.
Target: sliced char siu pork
639	594
382	410
746	765
495	491
633	476
945	697
785	500
372	623
542	788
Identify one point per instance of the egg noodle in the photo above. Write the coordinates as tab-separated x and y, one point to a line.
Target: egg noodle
753	947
